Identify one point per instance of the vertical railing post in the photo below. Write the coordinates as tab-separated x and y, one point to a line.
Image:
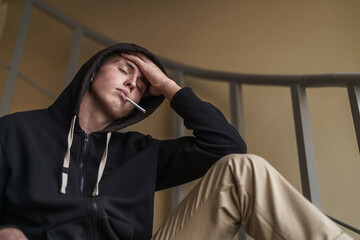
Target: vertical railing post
178	131
309	181
354	98
74	54
16	59
237	120
236	107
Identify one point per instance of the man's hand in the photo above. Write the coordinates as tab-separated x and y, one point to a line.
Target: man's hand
160	84
12	234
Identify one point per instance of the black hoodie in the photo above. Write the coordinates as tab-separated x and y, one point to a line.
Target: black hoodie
33	145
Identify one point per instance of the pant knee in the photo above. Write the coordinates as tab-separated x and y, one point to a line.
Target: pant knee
244	158
241	163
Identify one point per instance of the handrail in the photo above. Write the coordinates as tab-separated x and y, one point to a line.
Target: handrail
309	80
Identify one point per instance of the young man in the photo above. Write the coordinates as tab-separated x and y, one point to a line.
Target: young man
67	173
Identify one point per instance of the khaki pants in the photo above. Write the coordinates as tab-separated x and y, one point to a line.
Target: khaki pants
245	190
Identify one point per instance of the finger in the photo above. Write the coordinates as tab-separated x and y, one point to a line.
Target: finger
145	66
133	58
143	57
134	55
127	55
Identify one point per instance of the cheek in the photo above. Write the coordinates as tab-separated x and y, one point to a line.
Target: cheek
97	89
102	85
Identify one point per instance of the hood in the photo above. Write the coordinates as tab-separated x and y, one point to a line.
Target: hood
67	105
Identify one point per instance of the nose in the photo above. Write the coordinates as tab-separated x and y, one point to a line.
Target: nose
131	82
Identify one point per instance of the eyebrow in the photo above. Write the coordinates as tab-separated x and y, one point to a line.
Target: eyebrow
130	65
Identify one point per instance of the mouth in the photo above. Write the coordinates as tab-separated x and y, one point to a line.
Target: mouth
122	93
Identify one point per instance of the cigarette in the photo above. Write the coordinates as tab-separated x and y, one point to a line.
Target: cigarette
137	106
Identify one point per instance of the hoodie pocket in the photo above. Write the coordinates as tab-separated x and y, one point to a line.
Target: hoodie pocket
110	229
79	230
116	229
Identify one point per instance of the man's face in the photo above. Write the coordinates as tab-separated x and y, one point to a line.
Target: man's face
116	79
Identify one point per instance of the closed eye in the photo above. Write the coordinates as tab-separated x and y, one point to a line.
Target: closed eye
123	71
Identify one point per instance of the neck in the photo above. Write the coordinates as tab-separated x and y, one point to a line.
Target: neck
91	119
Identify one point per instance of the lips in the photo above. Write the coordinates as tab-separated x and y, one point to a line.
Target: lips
123	93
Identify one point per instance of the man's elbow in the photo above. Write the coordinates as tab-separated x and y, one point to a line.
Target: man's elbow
242	146
238	146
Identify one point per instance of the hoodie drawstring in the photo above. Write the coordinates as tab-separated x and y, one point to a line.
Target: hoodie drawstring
66	163
102	165
67	157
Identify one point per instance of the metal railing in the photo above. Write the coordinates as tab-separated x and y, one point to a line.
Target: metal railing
296	83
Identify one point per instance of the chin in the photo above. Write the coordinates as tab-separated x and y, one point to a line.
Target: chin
116	114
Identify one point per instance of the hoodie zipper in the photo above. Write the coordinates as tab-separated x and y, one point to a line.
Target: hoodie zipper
94	205
96	218
82	163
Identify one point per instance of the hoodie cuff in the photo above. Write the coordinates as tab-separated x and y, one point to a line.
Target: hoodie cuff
184	100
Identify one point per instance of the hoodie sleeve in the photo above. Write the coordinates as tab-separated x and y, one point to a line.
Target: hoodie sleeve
2	185
2	188
2	180
187	158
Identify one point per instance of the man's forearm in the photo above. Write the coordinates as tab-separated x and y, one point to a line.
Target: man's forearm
170	88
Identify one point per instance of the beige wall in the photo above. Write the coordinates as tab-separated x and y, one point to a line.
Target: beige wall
278	36
3	10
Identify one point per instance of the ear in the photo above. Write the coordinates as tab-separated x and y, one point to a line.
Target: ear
92	77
